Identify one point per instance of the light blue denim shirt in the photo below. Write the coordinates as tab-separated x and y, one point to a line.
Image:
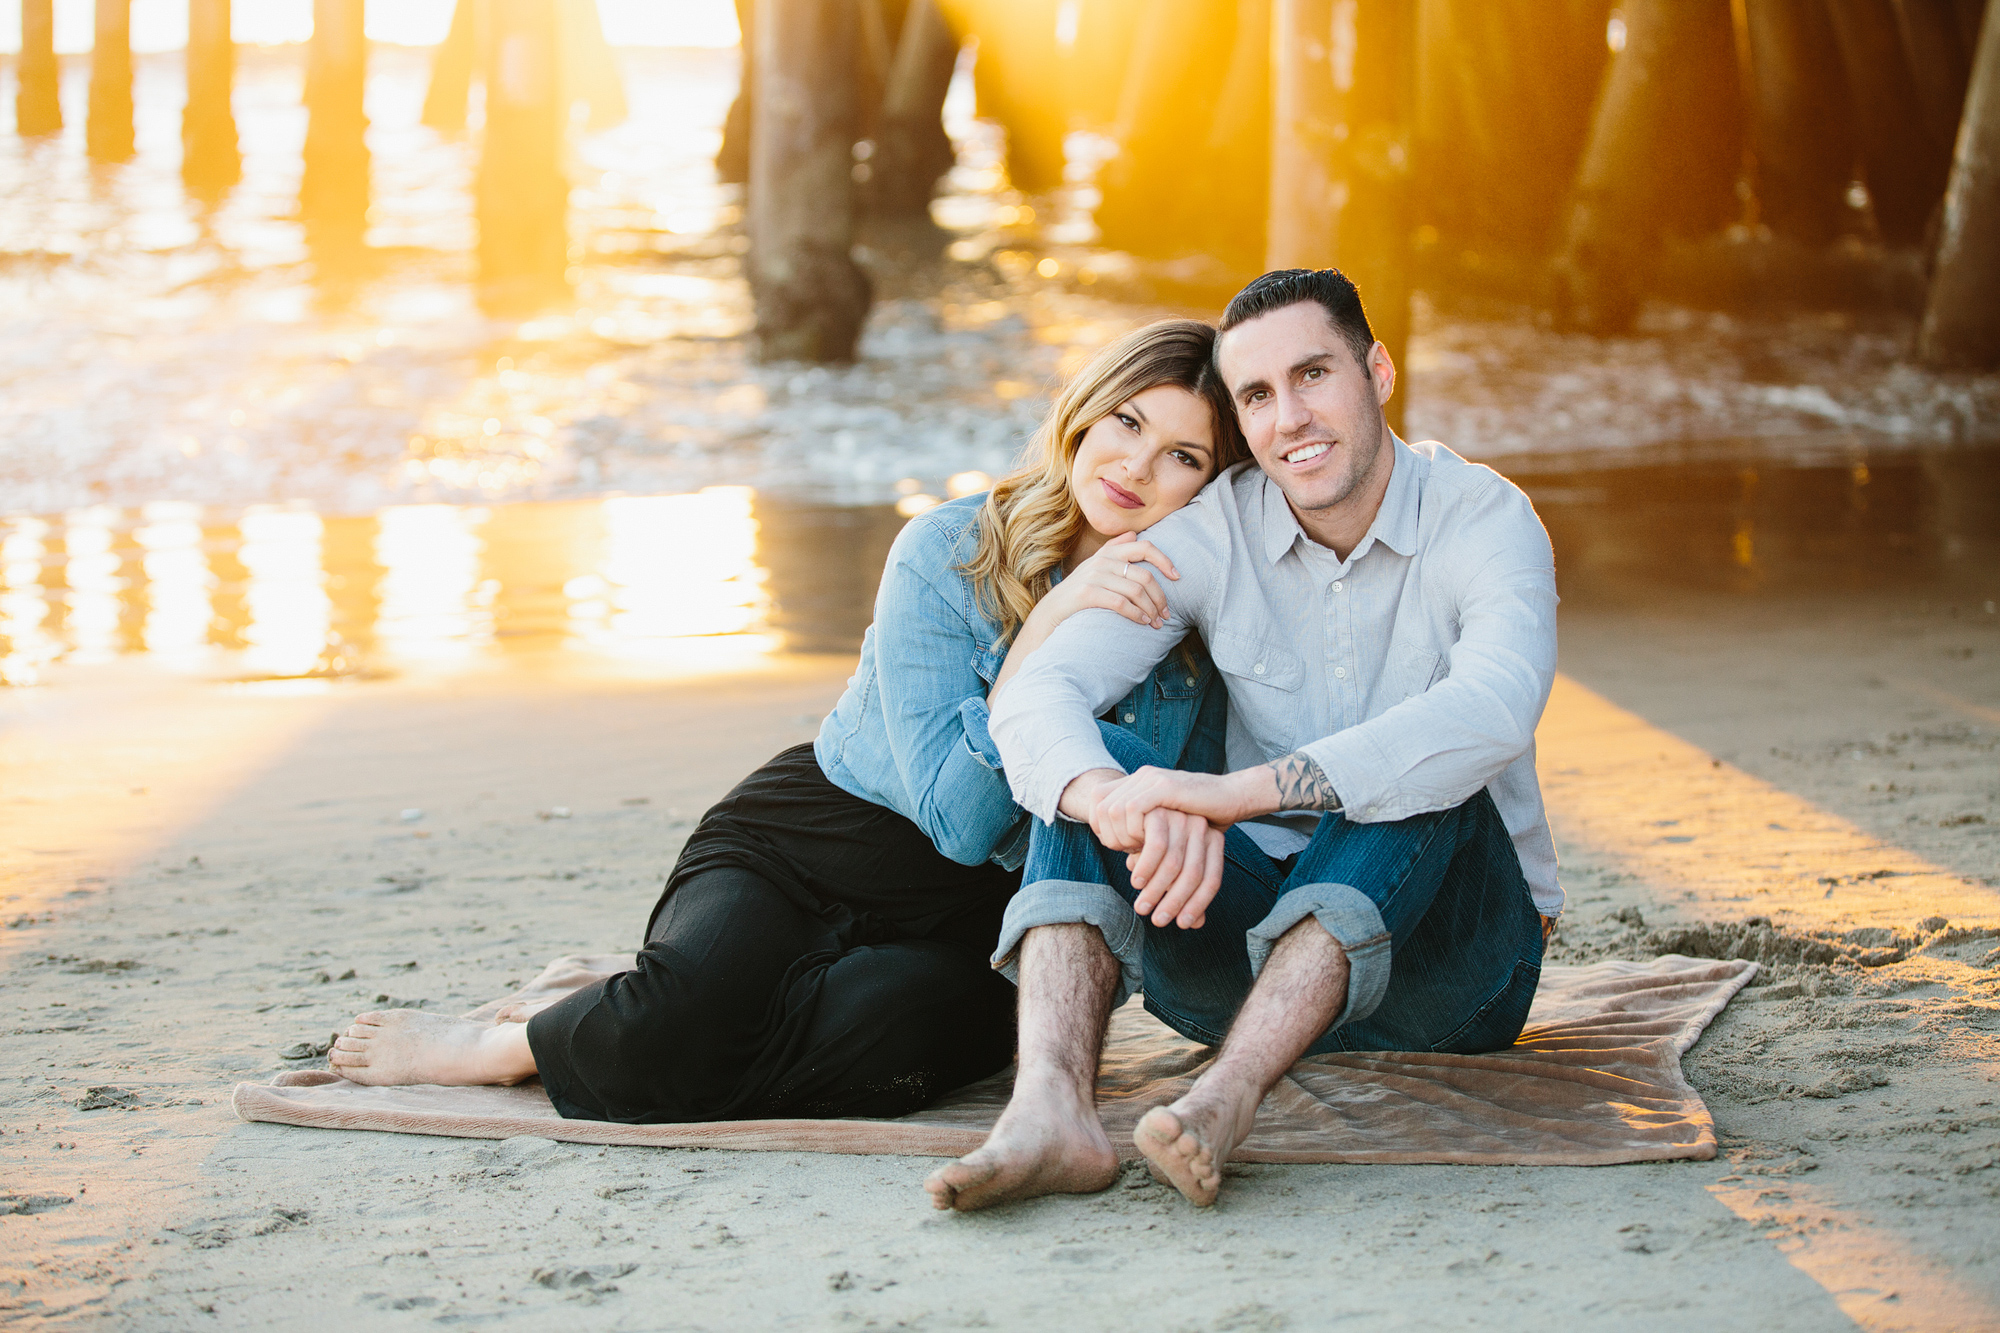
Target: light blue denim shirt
910	732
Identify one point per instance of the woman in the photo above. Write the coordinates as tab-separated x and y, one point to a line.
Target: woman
821	946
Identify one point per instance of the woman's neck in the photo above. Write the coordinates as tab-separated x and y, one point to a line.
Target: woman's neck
1087	544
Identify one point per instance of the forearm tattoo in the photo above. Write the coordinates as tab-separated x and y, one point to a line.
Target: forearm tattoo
1301	785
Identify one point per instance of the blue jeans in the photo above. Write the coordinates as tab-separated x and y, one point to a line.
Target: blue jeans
1443	941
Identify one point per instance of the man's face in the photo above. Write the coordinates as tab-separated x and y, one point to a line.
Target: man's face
1311	412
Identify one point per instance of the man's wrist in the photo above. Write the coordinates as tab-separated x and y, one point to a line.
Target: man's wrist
1080	794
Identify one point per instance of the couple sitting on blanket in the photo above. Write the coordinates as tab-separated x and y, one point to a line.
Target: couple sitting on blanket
1251	735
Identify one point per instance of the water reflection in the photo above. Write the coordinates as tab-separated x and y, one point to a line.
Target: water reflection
715	579
179	587
434	605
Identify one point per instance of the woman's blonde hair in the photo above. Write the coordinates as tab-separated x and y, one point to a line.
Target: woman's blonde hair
1030	520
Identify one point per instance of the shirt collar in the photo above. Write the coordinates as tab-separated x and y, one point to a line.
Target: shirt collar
1395	524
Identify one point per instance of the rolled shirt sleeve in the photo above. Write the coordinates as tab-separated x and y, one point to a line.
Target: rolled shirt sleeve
1044	722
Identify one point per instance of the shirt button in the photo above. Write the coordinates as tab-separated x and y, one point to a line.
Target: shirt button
1340	673
1374	809
1337	585
1259	668
1131	717
1190	680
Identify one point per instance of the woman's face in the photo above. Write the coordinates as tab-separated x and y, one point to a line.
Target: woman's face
1143	461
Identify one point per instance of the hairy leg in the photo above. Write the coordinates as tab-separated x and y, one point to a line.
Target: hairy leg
1049	1139
398	1046
1296	998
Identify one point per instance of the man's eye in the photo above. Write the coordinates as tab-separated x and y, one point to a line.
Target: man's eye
1314	373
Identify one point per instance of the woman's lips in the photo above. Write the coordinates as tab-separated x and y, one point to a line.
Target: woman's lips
1121	497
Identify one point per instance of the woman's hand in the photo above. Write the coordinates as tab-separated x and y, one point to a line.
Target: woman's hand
1109	581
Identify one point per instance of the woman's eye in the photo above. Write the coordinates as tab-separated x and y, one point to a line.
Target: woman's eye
1183	456
1127	422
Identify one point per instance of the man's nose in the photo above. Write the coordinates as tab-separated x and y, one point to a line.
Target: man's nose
1293	414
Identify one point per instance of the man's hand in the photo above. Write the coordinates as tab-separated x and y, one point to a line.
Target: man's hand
1178	869
1119	809
1175	856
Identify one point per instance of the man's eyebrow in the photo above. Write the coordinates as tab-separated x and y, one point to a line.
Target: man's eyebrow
1307	362
1245	389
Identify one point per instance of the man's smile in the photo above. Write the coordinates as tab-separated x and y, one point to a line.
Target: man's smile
1305	453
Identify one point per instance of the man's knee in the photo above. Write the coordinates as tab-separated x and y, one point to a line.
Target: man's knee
1131	753
1097	907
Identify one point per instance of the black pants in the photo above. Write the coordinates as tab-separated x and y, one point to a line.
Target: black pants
813	955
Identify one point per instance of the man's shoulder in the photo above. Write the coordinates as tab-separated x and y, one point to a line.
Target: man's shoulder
1467	502
1211	520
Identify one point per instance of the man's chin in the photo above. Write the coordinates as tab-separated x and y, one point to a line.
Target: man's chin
1310	492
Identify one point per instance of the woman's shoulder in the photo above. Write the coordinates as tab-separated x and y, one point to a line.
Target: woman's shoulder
944	536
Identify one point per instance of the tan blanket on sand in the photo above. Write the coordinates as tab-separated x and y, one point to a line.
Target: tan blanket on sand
1595	1079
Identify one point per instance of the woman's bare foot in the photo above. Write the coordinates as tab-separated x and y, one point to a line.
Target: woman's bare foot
1044	1143
522	1010
1188	1142
400	1046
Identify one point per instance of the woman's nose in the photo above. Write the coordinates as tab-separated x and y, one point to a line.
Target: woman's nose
1139	463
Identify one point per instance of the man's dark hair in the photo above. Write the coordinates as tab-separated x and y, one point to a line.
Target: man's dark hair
1328	288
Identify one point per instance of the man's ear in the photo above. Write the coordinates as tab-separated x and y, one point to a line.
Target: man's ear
1383	371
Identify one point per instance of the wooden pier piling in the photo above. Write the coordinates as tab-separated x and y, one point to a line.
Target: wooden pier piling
1905	165
333	193
1664	154
1962	320
211	162
1343	107
732	159
450	88
911	148
1801	127
811	298
521	194
37	105
108	130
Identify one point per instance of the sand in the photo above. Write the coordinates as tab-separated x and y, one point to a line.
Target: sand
202	877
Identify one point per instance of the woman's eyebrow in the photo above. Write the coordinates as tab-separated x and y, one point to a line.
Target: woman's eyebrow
1132	409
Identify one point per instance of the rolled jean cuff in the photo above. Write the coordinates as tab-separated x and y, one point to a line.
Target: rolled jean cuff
1350	916
1068	902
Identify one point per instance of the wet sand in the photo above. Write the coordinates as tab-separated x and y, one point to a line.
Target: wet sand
202	877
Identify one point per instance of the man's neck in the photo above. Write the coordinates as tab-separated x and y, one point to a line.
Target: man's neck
1340	526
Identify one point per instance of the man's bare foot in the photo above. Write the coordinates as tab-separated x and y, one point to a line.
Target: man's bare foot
1188	1142
1043	1144
400	1046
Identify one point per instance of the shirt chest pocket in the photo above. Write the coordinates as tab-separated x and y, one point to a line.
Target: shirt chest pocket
1248	660
1413	670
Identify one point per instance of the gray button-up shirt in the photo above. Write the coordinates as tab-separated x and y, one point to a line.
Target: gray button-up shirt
1413	672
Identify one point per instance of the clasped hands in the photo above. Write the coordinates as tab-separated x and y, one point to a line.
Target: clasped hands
1170	825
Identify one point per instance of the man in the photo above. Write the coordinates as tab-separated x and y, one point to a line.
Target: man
1376	871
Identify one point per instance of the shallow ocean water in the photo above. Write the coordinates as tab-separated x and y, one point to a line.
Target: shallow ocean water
213	459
